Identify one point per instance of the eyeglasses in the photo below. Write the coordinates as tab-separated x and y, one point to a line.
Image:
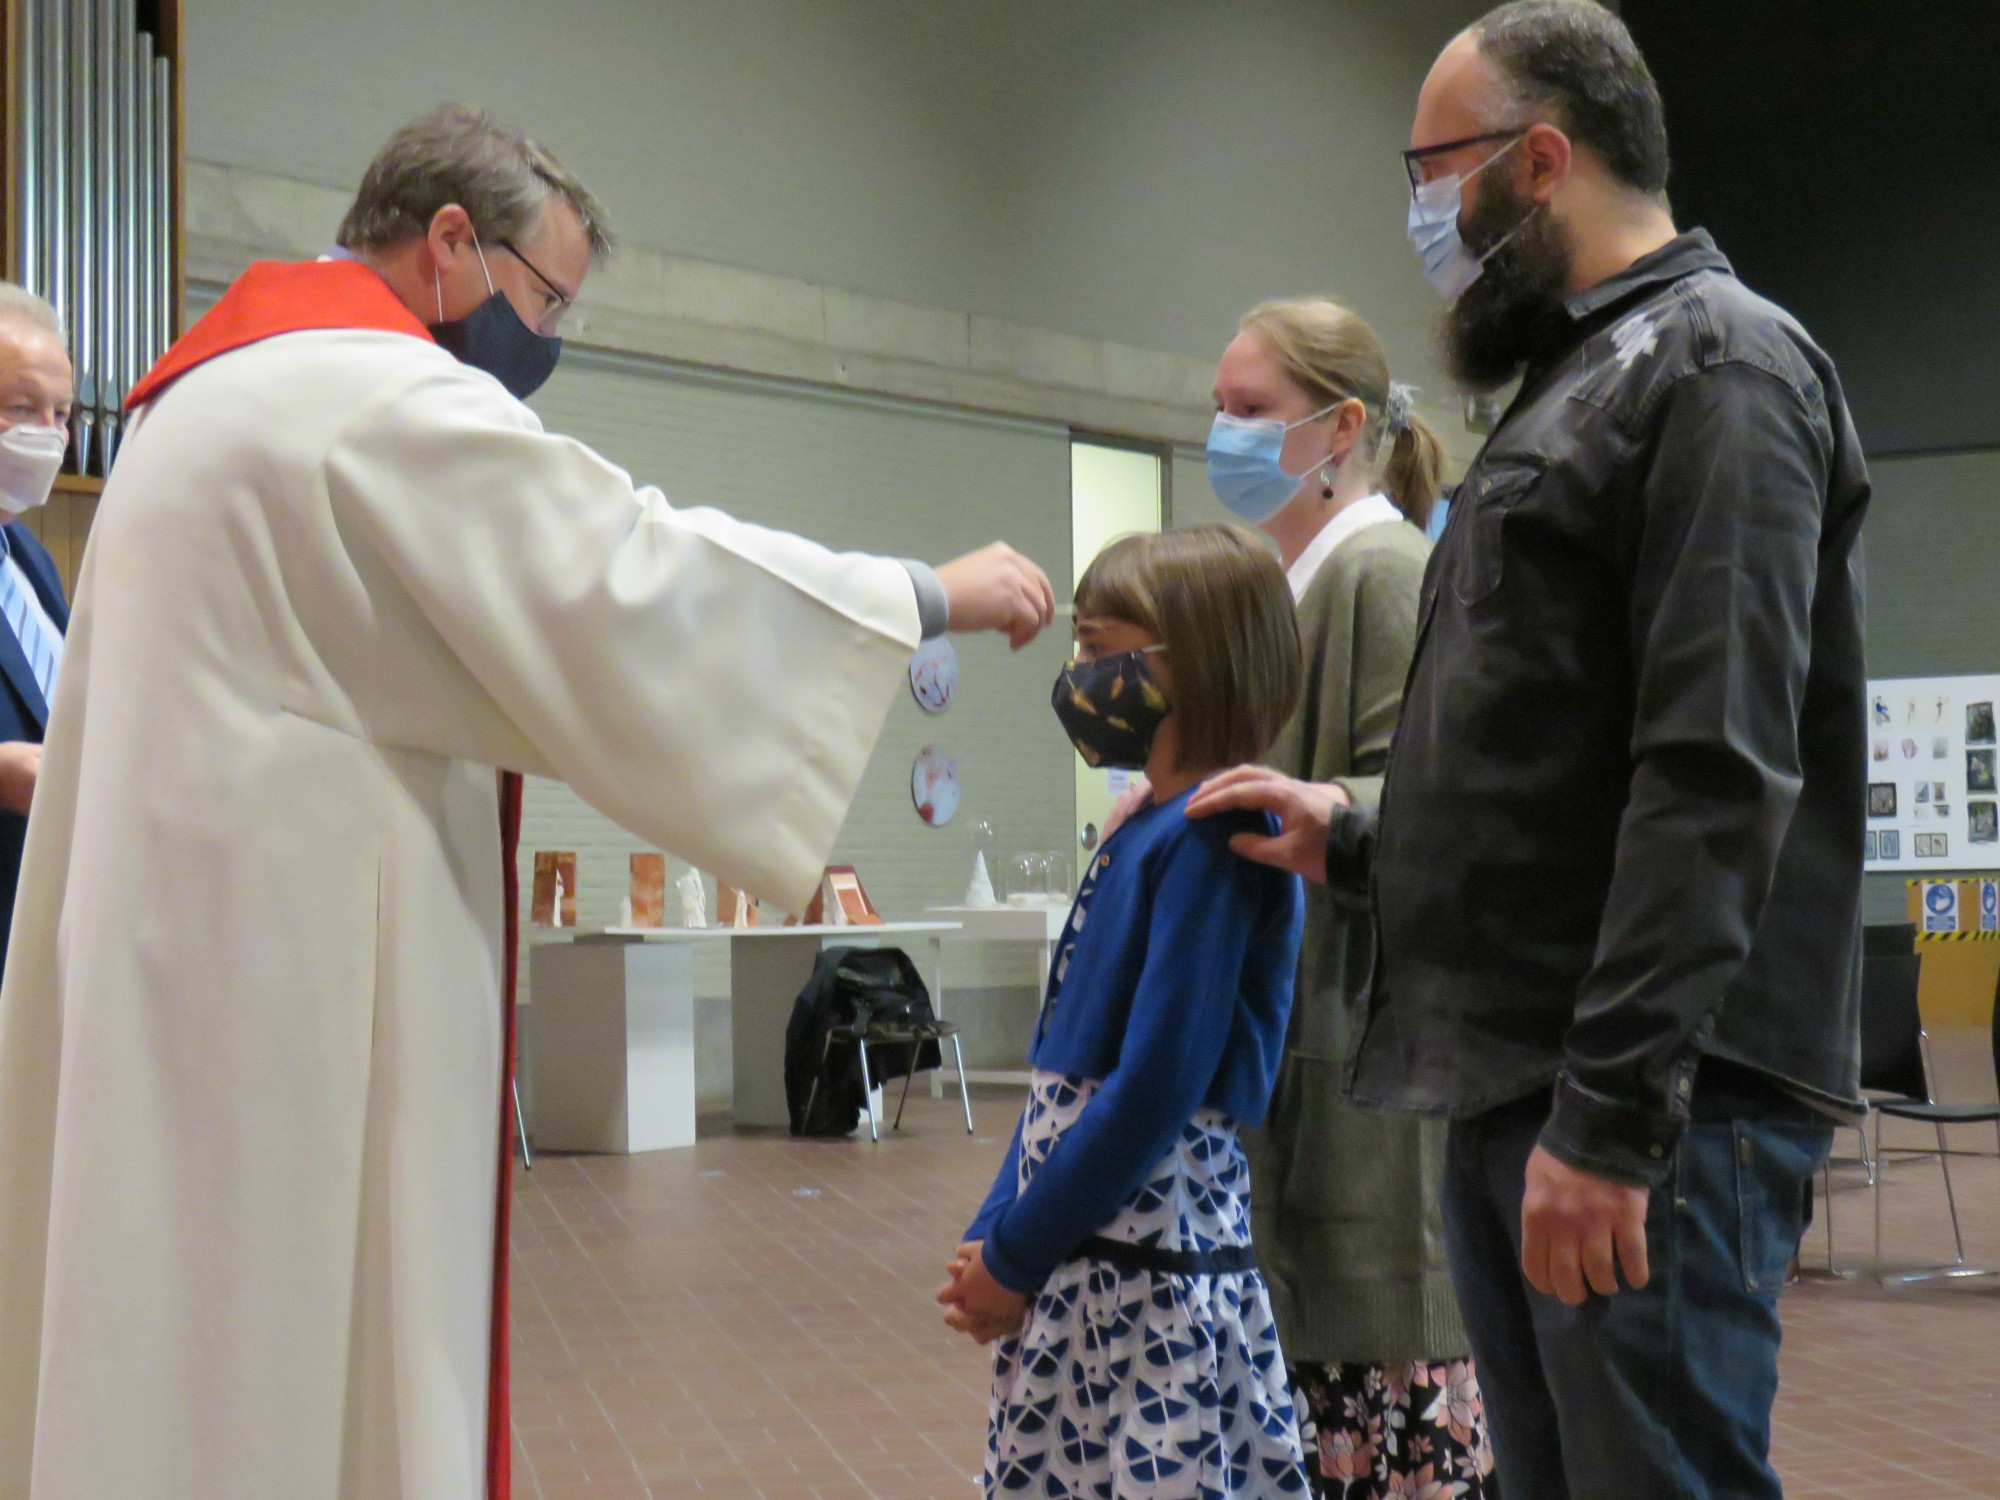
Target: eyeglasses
553	314
1413	160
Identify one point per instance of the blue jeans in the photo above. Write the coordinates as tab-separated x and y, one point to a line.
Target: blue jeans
1660	1394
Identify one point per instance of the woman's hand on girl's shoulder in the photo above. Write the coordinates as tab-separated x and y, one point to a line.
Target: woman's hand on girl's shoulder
976	1304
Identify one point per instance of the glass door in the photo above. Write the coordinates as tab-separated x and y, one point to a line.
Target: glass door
1114	491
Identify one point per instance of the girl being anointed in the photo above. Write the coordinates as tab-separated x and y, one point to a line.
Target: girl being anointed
1138	1355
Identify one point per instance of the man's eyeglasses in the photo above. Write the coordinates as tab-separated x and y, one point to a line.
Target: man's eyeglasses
1413	160
553	314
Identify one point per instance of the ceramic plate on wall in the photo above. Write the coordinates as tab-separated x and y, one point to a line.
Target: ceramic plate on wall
934	675
934	785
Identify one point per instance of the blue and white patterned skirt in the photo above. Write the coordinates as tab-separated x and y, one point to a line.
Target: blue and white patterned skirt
1140	1385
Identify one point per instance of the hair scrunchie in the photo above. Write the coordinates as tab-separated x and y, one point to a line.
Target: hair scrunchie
1396	410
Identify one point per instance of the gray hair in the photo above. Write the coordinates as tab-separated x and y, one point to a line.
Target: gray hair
456	154
19	303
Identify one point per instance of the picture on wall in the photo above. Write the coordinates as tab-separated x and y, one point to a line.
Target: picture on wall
934	675
1950	820
1979	723
934	785
1983	819
1979	771
1868	853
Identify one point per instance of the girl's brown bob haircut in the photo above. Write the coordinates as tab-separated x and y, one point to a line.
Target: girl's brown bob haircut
1216	598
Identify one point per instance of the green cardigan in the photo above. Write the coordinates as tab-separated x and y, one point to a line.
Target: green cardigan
1345	1202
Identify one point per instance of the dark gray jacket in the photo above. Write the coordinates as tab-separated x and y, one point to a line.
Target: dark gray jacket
1621	827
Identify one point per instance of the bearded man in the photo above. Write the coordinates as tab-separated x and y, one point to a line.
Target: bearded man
1617	863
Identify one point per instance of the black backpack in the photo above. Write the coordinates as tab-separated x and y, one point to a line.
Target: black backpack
852	987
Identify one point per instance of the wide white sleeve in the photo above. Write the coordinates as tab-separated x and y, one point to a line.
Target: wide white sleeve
714	687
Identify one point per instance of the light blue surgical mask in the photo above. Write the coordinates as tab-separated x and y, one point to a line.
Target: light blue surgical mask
1245	463
1449	266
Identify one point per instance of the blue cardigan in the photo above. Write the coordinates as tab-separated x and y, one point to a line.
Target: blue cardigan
1173	984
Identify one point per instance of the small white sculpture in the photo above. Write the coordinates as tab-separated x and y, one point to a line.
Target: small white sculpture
694	900
980	892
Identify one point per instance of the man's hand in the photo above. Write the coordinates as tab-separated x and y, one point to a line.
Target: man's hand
975	1303
996	588
1137	795
1572	1223
20	767
1304	808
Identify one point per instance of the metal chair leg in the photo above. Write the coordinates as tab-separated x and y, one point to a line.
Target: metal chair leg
964	1093
868	1089
1867	1156
905	1099
521	1127
1944	1166
812	1094
1826	1208
1878	1197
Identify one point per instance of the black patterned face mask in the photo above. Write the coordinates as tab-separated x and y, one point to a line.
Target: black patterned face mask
1111	708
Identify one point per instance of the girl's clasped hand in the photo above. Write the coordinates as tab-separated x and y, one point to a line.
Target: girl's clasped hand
975	1304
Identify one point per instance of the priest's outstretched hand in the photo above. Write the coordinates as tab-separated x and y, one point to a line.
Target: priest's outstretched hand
996	588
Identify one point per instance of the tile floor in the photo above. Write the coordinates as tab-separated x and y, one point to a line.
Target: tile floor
752	1318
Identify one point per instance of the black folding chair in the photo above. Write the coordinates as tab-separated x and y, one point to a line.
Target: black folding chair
912	1033
1896	1073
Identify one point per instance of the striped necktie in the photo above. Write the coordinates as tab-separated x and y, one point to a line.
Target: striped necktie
26	623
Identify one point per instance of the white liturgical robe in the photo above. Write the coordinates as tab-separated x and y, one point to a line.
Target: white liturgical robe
250	1031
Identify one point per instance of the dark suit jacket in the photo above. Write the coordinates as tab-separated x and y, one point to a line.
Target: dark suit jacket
23	714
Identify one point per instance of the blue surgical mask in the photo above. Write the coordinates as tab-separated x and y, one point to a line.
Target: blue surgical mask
493	338
1449	266
1245	463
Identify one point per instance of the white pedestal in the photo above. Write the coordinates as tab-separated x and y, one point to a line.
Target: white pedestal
612	1032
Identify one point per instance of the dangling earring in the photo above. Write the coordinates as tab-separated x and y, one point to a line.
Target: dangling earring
1326	480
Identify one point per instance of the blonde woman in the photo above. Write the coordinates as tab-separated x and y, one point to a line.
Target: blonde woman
1313	443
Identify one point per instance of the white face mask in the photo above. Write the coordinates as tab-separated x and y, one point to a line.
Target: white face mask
31	456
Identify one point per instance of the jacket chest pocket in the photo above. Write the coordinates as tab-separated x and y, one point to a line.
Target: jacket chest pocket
1480	558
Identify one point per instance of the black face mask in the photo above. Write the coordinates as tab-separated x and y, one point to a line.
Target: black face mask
493	338
1111	708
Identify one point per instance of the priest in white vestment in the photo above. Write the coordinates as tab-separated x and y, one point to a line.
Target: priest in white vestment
250	1034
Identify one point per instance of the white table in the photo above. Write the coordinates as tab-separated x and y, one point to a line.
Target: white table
611	1008
1041	923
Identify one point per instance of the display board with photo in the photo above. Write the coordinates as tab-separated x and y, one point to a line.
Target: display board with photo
1933	774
